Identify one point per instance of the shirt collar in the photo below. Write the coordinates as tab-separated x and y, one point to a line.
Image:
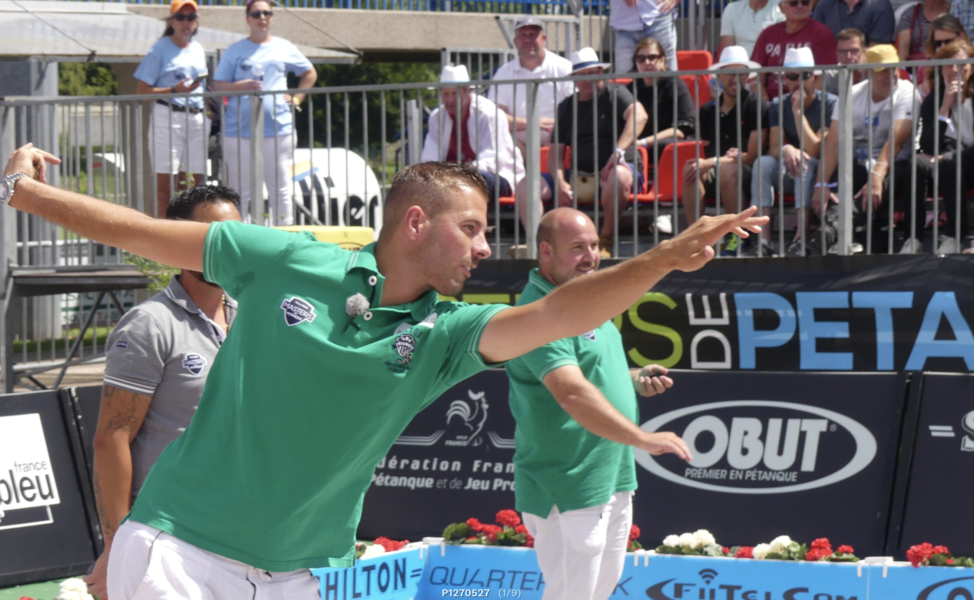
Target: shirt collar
535	278
364	259
177	295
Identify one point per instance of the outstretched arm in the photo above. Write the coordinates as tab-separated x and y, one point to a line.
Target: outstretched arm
585	303
174	243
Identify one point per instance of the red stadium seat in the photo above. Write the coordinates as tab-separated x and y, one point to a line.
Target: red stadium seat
696	60
666	189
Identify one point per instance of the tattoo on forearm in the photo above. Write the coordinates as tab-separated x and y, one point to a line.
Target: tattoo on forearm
123	407
108	528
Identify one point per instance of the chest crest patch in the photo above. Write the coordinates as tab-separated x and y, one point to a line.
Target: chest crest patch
297	311
194	363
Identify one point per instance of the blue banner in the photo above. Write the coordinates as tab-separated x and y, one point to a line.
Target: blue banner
392	576
904	582
483	571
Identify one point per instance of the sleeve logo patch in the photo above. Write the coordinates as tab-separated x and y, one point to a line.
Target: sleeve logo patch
194	363
590	335
122	345
297	311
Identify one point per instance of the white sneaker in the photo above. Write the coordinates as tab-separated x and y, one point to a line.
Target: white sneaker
947	245
664	224
911	246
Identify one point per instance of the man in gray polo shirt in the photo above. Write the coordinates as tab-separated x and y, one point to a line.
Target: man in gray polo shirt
157	361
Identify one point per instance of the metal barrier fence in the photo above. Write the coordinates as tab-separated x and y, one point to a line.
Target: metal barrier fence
353	128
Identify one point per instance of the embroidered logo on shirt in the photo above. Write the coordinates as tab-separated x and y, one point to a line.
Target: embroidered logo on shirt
590	335
297	311
194	363
405	345
122	345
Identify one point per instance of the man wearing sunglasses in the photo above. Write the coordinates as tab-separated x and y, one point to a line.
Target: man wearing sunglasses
850	49
797	31
872	17
795	145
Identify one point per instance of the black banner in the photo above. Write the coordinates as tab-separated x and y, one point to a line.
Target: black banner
46	509
940	482
453	462
863	313
800	454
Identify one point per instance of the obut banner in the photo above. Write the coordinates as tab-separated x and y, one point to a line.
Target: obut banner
453	462
942	464
863	313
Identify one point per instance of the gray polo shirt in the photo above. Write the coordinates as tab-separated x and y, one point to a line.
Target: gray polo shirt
163	348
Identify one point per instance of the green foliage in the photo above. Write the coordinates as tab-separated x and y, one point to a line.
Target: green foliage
456	533
86	79
794	551
158	274
508	537
358	75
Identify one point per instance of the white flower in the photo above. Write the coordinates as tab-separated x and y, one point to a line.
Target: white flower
671	540
780	543
760	551
687	540
73	589
373	551
703	538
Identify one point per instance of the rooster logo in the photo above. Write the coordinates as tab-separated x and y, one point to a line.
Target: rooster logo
473	420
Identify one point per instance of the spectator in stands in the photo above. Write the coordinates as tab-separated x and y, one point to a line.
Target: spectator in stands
963	10
178	129
158	358
850	50
742	22
798	30
533	62
484	140
913	30
634	20
890	101
952	119
606	154
719	125
262	62
794	144
874	18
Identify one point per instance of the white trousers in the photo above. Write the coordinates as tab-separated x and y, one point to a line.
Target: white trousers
278	159
147	564
582	552
178	141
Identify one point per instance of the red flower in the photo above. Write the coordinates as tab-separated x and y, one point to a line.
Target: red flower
845	550
940	550
818	554
920	553
634	532
950	561
725	550
530	542
744	552
491	529
472	538
390	545
822	543
474	524
508	518
521	529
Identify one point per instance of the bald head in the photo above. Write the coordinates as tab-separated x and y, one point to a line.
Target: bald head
568	245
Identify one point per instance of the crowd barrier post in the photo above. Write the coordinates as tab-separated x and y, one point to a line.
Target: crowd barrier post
256	181
533	169
846	159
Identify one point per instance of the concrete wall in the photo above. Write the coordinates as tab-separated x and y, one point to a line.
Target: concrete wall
382	35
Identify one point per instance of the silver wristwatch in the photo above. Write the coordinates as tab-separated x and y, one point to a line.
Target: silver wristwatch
7	186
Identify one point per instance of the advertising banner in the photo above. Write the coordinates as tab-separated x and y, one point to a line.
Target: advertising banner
393	576
453	462
44	526
867	313
483	572
941	472
904	582
807	455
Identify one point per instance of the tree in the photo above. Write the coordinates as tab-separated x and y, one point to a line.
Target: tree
86	79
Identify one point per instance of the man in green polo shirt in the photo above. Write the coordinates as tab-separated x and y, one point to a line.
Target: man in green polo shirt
575	405
331	354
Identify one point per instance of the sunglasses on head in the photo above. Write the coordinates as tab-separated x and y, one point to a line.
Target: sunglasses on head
182	17
795	3
797	76
261	13
649	57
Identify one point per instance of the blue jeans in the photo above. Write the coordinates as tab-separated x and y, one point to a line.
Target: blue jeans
662	29
763	187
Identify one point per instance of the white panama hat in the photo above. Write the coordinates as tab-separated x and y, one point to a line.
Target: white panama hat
457	74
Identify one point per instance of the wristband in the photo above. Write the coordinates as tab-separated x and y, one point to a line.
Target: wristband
621	152
172	90
827	185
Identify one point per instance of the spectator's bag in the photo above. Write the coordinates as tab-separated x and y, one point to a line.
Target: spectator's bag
585	190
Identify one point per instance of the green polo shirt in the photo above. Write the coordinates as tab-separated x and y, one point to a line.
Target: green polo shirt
302	401
557	461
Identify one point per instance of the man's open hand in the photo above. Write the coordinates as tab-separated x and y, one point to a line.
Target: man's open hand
693	248
665	442
31	160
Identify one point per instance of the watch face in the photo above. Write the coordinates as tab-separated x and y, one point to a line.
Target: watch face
4	190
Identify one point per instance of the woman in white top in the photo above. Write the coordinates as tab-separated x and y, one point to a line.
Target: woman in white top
178	131
262	62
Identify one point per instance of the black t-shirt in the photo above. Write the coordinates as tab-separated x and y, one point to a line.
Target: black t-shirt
659	106
750	105
610	94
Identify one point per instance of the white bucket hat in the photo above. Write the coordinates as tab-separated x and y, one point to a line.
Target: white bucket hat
457	74
734	56
586	58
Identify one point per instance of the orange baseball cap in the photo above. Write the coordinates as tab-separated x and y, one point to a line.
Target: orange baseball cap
178	5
